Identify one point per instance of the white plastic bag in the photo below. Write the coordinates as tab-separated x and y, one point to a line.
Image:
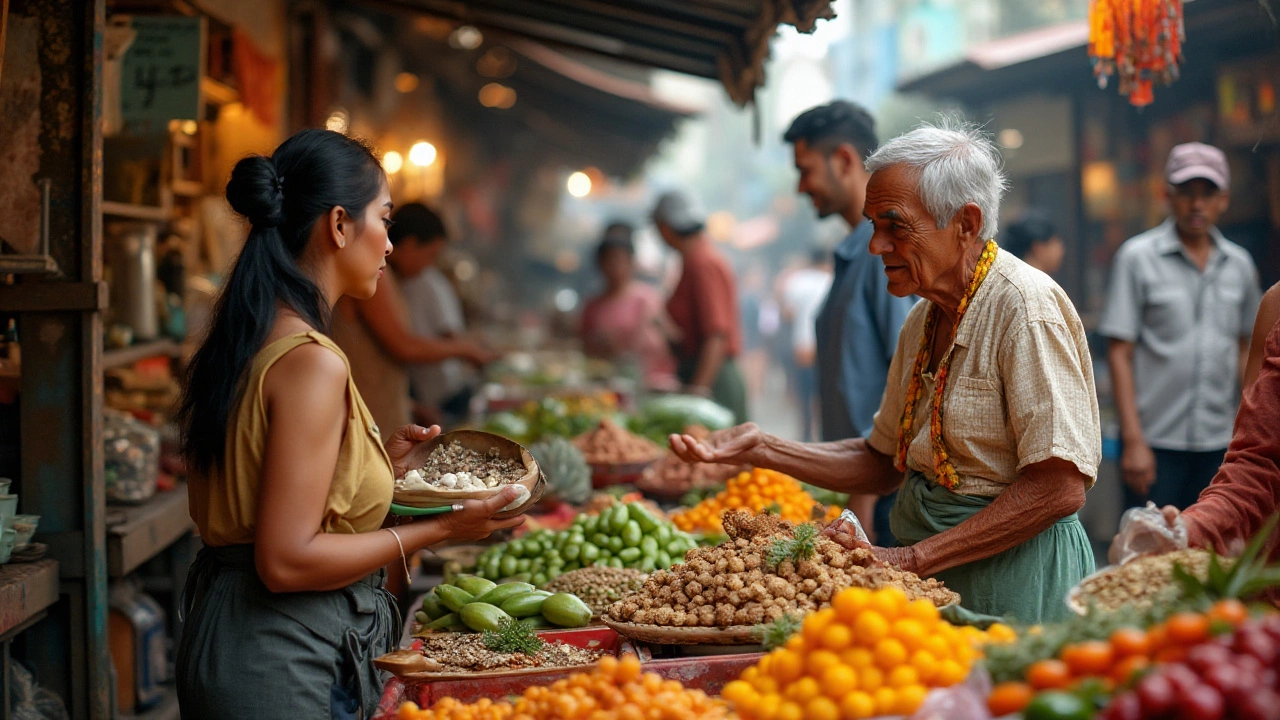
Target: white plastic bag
1145	531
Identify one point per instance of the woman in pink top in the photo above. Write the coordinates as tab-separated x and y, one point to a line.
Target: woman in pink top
627	319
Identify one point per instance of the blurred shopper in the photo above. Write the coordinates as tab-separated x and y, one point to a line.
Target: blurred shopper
1179	312
377	333
703	306
857	327
1035	241
627	320
802	296
441	390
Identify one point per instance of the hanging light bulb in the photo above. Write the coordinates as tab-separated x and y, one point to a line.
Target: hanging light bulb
422	153
579	184
392	162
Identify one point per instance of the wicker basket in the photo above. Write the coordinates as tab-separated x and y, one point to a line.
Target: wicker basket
533	481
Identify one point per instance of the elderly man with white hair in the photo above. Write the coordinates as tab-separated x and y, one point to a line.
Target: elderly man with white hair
988	430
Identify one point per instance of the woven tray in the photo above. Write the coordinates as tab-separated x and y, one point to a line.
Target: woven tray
662	635
534	481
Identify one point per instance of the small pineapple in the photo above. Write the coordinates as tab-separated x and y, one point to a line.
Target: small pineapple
568	475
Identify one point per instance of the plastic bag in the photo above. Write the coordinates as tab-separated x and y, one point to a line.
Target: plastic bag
966	701
1145	531
848	523
30	701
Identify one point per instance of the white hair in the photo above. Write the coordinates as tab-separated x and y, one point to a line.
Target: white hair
955	164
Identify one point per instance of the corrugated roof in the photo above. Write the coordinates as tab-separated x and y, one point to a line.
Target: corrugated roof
725	40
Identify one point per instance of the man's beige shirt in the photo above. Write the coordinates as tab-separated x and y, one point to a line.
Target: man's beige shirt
1020	389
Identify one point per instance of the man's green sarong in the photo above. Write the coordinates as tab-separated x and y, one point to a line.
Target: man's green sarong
1028	582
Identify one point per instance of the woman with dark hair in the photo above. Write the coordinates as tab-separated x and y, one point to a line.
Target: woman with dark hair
1033	239
627	319
290	485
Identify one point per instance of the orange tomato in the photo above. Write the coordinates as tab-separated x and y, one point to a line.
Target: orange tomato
1157	638
1009	697
1125	669
1127	642
1232	612
1171	654
1188	628
1088	658
1049	675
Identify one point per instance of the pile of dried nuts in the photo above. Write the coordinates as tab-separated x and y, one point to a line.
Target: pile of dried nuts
610	444
733	585
599	587
1144	581
462	652
454	467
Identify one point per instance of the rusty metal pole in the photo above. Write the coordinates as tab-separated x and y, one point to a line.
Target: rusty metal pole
61	401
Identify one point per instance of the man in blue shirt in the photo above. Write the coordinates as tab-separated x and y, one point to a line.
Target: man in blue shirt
857	327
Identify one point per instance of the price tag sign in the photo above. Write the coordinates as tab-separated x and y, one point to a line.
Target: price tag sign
161	74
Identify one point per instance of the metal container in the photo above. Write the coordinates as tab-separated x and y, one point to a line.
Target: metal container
132	257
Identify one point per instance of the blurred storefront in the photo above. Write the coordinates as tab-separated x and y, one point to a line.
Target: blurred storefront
1095	164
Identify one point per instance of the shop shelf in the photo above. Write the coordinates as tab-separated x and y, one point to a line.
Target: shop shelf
26	590
129	355
152	213
147	530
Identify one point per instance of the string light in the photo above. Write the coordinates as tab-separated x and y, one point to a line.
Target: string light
579	184
422	154
392	162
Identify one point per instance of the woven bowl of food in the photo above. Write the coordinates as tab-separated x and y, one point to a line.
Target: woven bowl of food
470	465
615	455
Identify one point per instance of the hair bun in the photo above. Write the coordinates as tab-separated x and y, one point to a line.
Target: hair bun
255	192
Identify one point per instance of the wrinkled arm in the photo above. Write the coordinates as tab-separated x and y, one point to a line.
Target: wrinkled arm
846	466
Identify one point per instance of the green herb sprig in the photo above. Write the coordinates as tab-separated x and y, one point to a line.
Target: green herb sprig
803	545
513	637
776	634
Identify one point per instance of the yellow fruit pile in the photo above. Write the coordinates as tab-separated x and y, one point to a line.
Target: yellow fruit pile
871	653
757	490
615	690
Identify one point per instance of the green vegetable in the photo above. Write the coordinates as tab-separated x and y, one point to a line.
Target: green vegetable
632	534
649	546
615	544
629	555
483	616
523	565
647	522
508	425
571	552
523	605
432	607
1057	705
663	560
508	566
618	518
500	593
535	622
477	586
664	415
452	597
600	540
589	552
566	610
447	623
648	564
421	618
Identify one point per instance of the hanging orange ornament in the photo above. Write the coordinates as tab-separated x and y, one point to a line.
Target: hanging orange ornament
1138	41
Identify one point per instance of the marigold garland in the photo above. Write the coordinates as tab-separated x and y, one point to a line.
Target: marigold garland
944	473
1140	41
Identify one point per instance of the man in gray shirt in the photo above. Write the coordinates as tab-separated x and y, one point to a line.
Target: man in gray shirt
1179	313
858	324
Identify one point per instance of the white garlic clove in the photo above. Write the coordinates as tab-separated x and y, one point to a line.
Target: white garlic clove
521	497
449	480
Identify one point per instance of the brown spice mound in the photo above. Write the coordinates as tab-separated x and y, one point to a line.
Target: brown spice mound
599	587
454	458
1144	581
609	444
462	652
732	583
673	476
